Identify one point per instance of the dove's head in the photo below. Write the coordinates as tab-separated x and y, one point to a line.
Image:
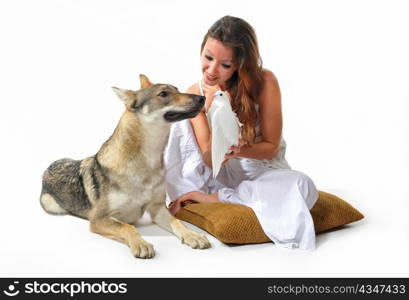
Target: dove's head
160	102
221	96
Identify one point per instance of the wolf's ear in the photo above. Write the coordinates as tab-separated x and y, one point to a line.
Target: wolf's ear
122	94
144	81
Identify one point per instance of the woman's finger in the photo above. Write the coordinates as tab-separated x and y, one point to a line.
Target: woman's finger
234	149
174	207
182	198
185	197
186	202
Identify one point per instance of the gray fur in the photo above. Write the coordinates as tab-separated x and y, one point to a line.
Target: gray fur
63	181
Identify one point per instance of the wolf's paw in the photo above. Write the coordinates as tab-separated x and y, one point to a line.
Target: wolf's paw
142	249
195	240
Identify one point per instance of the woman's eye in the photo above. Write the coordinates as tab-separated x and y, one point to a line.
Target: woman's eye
208	57
226	66
163	94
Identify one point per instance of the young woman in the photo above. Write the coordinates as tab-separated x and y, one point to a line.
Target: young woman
255	173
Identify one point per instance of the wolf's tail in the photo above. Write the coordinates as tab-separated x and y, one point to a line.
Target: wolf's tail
49	204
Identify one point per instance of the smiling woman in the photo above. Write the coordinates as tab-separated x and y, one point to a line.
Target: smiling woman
217	62
255	173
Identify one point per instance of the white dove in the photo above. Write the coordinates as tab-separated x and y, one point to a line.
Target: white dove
225	129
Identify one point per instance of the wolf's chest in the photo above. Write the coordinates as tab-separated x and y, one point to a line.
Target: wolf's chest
134	192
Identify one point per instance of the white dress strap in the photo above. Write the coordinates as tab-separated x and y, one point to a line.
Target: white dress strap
202	94
201	88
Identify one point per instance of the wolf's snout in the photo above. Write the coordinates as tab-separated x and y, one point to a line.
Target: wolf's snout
202	100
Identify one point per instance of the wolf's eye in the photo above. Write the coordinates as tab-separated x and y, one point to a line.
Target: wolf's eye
163	94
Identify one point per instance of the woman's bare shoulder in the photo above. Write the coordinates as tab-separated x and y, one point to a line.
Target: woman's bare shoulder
269	77
270	82
271	89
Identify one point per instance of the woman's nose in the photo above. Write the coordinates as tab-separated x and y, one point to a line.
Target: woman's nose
212	68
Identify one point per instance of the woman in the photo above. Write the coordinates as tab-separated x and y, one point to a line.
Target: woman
256	173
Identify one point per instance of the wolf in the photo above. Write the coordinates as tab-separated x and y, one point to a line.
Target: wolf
113	188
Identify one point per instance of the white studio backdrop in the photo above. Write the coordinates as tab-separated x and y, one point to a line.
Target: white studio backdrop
343	68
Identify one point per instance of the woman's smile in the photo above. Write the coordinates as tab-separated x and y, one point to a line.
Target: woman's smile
210	79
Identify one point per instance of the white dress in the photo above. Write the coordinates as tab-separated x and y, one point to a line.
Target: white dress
280	197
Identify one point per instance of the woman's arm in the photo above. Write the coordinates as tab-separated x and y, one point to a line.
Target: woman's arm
270	121
203	136
201	129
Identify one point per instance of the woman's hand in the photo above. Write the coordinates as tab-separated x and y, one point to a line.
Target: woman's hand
209	91
192	197
235	151
178	204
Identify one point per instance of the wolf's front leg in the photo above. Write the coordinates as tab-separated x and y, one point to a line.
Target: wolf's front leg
123	232
162	217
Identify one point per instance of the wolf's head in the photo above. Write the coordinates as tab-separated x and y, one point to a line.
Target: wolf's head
155	102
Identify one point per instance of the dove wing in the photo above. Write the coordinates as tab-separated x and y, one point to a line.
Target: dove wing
225	133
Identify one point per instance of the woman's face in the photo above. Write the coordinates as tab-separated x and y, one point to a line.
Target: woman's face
217	63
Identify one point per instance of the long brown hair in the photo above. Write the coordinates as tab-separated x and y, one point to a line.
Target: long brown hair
245	84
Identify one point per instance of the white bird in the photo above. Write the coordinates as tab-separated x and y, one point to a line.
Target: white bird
225	129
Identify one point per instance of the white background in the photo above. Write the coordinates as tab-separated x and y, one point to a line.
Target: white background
343	67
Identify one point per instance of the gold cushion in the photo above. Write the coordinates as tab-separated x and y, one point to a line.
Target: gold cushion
237	224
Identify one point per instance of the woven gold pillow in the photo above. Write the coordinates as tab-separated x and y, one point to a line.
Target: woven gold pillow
237	224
